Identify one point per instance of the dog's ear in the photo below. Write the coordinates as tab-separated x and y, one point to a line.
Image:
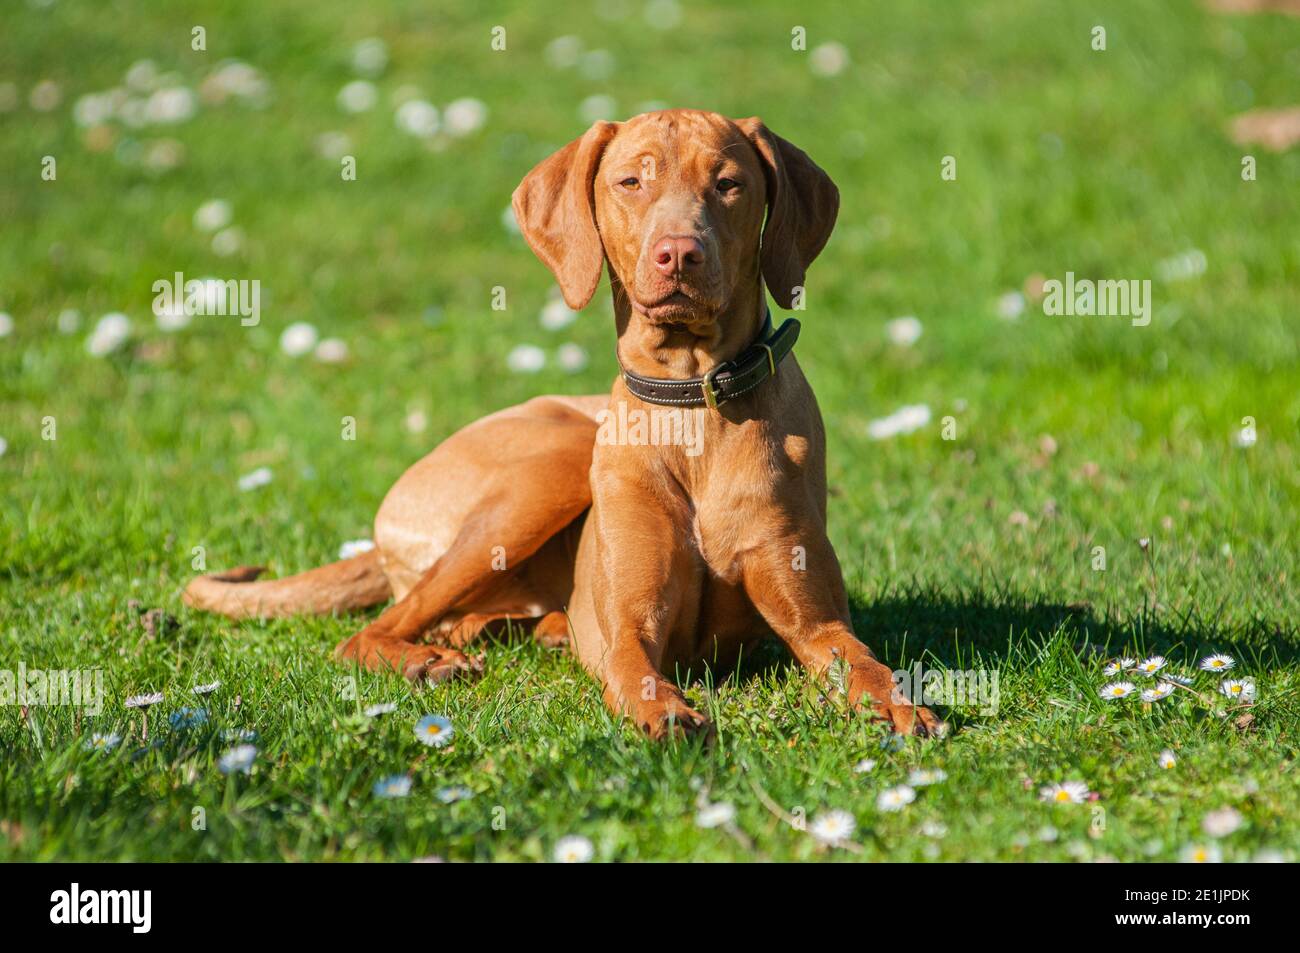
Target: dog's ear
557	215
802	203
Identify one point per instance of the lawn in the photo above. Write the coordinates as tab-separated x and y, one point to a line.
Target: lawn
122	469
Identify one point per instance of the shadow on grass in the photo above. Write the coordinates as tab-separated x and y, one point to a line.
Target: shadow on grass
948	630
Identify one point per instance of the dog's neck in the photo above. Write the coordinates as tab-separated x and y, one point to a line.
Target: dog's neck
679	351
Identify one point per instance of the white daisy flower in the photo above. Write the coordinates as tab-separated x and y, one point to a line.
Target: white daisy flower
238	759
1217	663
715	815
904	331
332	351
228	241
298	339
370	56
1068	792
355	547
213	215
922	777
1222	822
526	359
1162	690
1177	679
464	116
571	357
6	324
1117	666
171	316
895	798
395	785
172	105
828	59
573	849
418	117
239	734
382	708
1167	759
556	315
434	730
207	689
833	827
453	794
1242	689
933	828
905	420
144	701
103	742
358	96
110	333
1150	666
258	478
865	766
1118	690
1011	305
1202	854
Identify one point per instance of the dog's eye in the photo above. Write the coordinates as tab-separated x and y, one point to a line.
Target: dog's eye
727	185
631	184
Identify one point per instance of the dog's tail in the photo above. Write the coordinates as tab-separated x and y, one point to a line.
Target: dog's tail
347	584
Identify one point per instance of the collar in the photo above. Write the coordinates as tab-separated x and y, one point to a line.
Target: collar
726	381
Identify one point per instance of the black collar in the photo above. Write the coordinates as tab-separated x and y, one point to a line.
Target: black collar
729	379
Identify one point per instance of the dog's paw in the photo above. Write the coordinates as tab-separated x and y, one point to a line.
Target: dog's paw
672	718
872	687
433	664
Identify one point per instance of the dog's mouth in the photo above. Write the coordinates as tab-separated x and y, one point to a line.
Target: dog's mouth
676	307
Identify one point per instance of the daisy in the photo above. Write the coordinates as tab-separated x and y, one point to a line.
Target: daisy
1197	854
1222	822
833	827
934	828
1217	663
1118	690
144	701
355	547
895	798
434	730
238	759
298	338
1117	666
383	708
1151	665
715	815
239	734
1241	688
207	689
395	785
1069	792
1166	759
185	718
574	849
103	742
258	478
924	776
453	794
1185	680
865	766
1162	690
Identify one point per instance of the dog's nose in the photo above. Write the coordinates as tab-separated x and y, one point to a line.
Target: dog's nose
675	255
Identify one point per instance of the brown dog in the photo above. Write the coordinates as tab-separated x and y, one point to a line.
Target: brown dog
651	556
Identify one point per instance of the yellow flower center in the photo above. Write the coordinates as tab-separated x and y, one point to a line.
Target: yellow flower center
1063	795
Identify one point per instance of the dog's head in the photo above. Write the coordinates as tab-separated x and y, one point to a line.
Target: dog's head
677	201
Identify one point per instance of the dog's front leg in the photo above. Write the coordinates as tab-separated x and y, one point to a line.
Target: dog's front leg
795	582
642	578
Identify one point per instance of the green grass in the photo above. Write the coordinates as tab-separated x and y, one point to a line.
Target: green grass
1103	163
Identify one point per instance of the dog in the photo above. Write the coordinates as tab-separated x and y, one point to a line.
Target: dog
646	558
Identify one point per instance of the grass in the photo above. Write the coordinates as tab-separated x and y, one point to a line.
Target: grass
1103	163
